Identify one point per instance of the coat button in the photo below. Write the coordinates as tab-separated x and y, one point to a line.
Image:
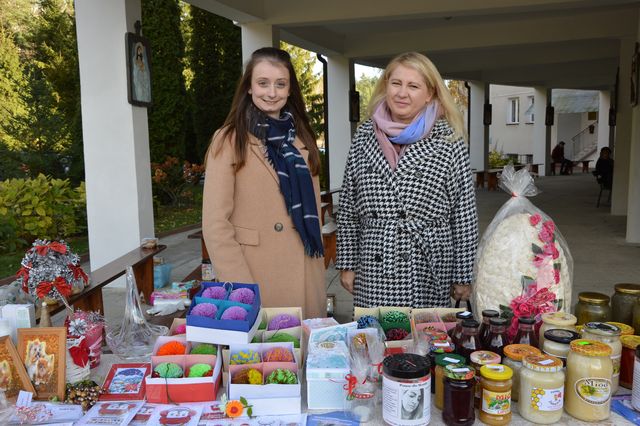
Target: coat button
419	175
378	258
405	256
278	227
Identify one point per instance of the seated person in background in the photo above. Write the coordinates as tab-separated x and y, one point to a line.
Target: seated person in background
604	167
557	155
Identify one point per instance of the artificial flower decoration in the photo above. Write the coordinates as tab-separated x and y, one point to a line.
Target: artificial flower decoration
235	408
51	270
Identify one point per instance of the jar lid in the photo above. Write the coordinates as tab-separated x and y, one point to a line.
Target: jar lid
627	288
484	357
593	297
542	363
590	347
560	335
559	318
496	372
457	372
490	313
630	342
406	366
470	323
527	320
498	321
602	329
625	330
517	351
464	315
446	359
441	346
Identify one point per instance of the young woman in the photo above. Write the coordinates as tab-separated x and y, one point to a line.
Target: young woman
261	202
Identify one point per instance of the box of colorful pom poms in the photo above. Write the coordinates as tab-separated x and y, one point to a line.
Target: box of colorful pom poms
267	375
224	313
279	325
183	371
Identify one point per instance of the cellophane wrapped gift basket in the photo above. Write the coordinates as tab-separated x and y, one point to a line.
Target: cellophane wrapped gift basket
523	266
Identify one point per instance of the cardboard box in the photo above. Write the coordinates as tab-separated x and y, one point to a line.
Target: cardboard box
442	319
224	332
326	371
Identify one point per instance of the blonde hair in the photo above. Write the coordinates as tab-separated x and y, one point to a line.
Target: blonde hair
434	83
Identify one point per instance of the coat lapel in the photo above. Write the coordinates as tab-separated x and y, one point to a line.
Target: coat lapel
420	152
257	149
376	158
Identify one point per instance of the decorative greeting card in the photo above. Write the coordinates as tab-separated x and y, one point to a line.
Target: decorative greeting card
143	415
125	382
111	413
213	416
184	414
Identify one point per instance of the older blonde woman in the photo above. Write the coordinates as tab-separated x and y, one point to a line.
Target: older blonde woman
407	226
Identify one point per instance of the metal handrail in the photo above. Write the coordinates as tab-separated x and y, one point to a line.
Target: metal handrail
583	143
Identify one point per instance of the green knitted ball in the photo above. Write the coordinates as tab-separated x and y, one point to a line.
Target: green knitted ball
168	370
204	349
395	316
199	370
281	376
284	337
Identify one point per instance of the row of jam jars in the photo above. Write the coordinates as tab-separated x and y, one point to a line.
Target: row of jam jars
526	334
459	386
487	315
591	307
497	337
456	332
555	320
469	342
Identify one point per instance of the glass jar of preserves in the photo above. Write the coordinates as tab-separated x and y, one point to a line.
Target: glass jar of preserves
556	320
526	335
458	396
469	342
513	355
629	345
497	338
622	302
437	347
625	330
478	359
541	389
456	332
487	314
442	361
609	334
592	307
496	394
556	343
588	382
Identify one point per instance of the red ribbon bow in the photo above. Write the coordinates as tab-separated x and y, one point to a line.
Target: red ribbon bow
59	284
80	353
350	386
78	273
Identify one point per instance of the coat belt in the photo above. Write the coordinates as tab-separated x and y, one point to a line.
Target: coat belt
420	231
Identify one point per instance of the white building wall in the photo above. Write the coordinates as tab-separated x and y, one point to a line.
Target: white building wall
567	126
510	138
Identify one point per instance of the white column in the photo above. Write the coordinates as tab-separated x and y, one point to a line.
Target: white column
256	35
633	207
339	125
622	147
604	104
478	143
541	132
115	133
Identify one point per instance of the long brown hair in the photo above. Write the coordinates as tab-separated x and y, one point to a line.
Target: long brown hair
238	121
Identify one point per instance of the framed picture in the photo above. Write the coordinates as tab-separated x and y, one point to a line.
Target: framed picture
635	63
138	70
354	106
43	352
13	376
125	381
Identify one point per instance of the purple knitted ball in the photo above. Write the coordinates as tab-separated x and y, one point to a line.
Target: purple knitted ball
234	313
205	310
215	293
242	295
281	321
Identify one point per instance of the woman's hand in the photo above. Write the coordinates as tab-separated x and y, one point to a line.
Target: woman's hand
461	291
346	279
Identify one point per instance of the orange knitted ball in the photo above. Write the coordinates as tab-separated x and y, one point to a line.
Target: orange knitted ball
172	348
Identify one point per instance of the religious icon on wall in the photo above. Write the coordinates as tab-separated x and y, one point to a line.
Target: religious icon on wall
138	70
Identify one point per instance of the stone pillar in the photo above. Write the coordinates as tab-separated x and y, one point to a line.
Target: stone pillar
478	132
338	80
541	132
115	133
603	120
256	35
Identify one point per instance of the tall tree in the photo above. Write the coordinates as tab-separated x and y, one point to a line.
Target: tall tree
161	25
216	63
459	93
12	82
365	85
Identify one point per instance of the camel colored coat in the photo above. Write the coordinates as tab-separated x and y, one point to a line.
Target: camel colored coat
249	234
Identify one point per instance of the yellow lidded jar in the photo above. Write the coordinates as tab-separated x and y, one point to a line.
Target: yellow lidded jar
496	394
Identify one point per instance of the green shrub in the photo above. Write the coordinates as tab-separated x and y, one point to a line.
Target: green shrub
497	159
39	207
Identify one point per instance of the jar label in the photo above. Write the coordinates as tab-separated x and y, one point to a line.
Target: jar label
635	395
496	402
594	390
406	403
615	360
547	399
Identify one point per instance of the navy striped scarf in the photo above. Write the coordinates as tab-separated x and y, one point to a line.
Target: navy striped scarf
295	179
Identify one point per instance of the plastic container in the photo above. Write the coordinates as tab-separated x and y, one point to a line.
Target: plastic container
478	359
629	345
622	302
442	361
406	400
609	334
459	384
588	383
487	314
541	389
592	306
513	359
556	343
556	320
496	394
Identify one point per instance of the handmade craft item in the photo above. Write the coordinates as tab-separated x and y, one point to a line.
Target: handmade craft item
208	310
204	349
281	376
237	313
247	356
242	295
90	325
281	337
281	321
278	355
248	376
172	348
215	293
200	370
168	370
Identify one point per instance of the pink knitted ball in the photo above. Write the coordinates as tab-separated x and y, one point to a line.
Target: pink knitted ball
215	293
242	295
281	321
205	310
234	313
181	329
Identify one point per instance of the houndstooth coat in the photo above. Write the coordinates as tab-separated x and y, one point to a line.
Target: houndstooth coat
409	234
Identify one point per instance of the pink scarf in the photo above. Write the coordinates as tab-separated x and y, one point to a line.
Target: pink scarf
385	126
